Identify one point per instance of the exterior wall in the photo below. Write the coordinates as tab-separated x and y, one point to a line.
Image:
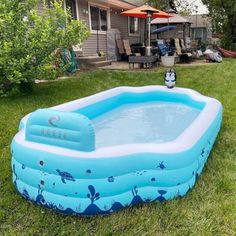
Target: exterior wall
116	22
200	34
121	23
90	45
201	27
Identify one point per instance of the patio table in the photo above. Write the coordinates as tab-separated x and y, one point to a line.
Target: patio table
147	61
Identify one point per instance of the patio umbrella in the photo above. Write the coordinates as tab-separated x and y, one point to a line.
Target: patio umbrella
142	12
146	12
163	29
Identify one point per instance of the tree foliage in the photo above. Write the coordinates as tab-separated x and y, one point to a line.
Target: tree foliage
28	41
183	7
223	14
162	4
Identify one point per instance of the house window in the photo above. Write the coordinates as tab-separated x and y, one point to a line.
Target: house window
133	24
50	2
71	5
200	33
98	18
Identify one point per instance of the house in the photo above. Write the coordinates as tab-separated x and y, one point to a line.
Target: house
182	27
201	27
101	16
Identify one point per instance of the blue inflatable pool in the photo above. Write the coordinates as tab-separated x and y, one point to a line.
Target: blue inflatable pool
115	149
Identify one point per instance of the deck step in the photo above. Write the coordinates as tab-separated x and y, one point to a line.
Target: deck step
89	59
88	62
101	63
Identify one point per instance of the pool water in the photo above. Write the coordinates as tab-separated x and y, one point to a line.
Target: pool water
149	122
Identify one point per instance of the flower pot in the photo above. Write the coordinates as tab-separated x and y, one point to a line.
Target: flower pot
168	61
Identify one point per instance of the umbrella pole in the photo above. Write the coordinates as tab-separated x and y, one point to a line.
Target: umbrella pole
168	26
170	10
149	31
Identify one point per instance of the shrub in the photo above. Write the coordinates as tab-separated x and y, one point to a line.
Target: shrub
29	40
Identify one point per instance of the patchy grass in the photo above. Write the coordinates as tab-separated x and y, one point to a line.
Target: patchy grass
209	209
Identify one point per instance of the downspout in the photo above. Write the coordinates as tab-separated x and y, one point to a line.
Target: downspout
98	18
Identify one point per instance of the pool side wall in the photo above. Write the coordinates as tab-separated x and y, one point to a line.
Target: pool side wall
90	186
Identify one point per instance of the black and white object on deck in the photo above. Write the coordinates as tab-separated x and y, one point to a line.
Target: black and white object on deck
170	78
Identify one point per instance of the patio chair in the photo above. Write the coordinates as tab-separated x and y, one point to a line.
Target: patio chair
163	48
184	48
160	48
120	46
172	48
185	57
194	45
124	49
127	47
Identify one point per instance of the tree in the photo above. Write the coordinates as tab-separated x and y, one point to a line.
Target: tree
223	13
183	7
29	40
160	4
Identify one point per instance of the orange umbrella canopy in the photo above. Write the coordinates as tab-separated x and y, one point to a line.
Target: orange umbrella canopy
141	12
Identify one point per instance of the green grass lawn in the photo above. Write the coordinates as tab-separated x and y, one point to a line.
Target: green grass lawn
208	209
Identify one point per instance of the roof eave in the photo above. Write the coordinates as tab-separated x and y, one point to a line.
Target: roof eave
119	4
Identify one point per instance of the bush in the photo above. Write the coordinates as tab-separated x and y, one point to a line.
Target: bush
227	42
29	40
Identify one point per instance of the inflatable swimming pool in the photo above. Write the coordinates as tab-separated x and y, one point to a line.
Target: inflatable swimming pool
115	149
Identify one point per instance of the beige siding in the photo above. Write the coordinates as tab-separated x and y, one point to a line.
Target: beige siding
117	21
90	46
121	23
